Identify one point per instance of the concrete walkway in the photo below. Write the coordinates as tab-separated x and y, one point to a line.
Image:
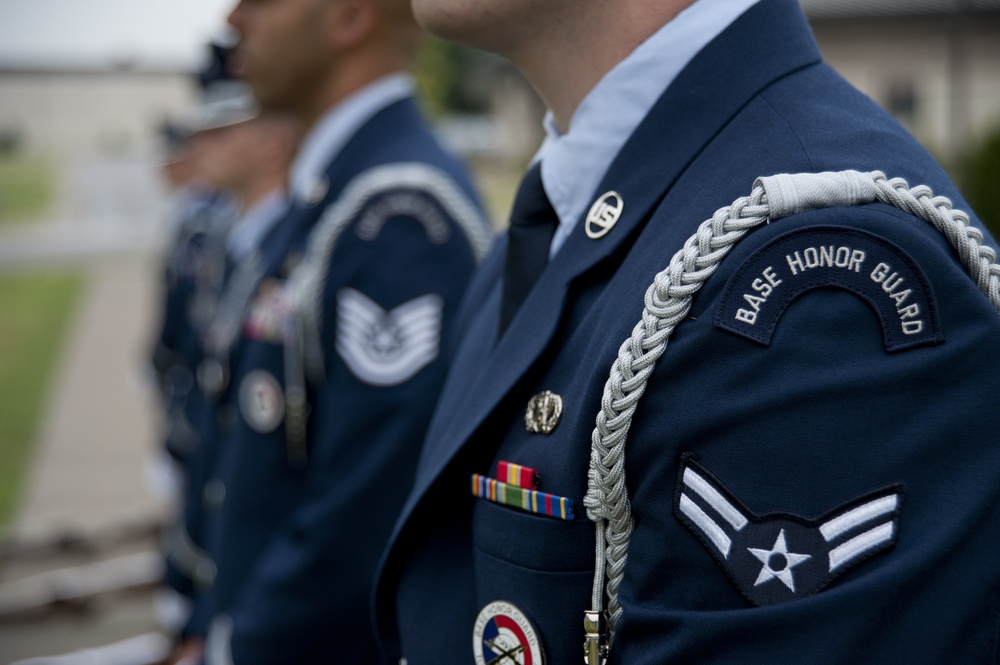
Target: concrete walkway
98	436
98	439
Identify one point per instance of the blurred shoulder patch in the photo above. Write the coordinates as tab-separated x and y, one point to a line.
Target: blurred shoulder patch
387	348
409	204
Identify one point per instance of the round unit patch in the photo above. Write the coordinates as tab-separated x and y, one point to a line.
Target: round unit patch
261	401
504	636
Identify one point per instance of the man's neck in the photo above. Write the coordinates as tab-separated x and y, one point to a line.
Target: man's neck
258	190
567	65
349	79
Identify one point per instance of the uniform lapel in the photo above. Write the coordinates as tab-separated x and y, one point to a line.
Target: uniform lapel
683	121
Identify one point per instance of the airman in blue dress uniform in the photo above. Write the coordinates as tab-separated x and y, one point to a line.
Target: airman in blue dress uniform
329	386
810	471
246	154
192	282
195	274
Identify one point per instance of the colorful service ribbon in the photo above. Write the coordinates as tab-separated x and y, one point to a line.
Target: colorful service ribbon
532	501
517	475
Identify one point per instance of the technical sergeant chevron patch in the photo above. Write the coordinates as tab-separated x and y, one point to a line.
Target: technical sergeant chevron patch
387	348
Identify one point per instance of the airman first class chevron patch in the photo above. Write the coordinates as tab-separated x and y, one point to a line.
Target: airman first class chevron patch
781	557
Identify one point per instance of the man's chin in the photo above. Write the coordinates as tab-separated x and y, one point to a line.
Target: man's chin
442	18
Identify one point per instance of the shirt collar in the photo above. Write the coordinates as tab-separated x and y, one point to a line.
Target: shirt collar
335	128
250	229
574	163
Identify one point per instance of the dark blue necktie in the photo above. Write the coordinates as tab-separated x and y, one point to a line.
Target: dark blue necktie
533	222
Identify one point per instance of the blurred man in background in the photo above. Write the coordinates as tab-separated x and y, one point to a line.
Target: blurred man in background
325	395
244	154
203	214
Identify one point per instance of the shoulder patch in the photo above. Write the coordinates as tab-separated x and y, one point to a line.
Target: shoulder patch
404	204
781	557
422	190
871	267
387	348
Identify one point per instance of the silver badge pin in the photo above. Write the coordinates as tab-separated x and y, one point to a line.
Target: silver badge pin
262	402
604	215
317	189
213	496
212	376
543	412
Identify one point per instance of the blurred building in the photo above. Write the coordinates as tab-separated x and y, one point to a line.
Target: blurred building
934	64
69	111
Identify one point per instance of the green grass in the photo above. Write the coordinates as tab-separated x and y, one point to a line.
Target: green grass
25	188
35	312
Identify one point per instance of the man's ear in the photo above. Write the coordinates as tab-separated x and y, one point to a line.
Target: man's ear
350	23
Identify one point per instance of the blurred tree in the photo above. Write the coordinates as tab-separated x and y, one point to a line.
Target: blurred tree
10	141
447	76
26	187
980	178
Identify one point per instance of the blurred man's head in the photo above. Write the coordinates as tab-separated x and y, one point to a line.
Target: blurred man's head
249	158
303	56
178	164
178	167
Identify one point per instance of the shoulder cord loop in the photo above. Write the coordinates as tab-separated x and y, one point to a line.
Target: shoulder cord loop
667	302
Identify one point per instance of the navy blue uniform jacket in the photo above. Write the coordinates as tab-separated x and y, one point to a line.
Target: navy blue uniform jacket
193	284
787	434
190	569
193	276
296	539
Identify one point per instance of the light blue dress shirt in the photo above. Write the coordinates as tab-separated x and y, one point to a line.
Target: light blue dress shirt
574	163
250	229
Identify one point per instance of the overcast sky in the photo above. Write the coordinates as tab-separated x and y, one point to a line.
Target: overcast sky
93	32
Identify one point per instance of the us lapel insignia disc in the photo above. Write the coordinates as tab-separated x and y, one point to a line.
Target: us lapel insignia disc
543	412
781	557
261	401
603	215
502	635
